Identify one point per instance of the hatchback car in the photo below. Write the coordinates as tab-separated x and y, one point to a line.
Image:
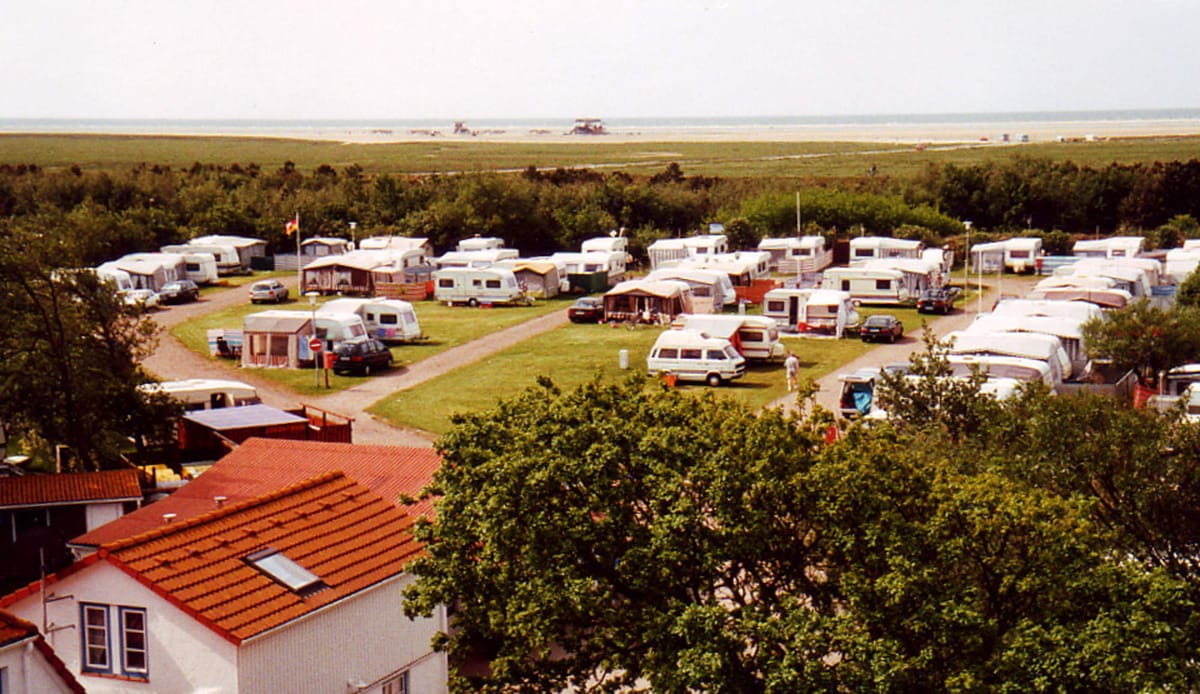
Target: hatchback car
179	291
362	355
882	327
144	299
586	309
939	300
268	290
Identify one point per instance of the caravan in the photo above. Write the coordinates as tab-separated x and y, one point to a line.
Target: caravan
797	255
389	320
204	393
866	248
754	337
475	286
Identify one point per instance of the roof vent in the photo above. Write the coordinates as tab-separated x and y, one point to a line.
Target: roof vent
220	500
168	517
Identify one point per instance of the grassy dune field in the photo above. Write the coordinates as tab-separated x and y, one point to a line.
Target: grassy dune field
728	159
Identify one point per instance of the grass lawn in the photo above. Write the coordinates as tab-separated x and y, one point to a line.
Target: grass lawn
575	354
446	327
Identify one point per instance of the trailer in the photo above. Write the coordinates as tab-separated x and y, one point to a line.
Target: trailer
475	286
797	255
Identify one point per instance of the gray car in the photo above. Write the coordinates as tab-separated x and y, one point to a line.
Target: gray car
268	290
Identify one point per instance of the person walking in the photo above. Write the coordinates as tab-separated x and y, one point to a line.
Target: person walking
791	367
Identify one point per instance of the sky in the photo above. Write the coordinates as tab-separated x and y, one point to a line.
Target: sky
366	59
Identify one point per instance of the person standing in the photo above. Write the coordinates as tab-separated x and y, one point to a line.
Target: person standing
791	367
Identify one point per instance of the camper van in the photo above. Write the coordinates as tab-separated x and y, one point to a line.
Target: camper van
691	356
475	286
205	393
754	337
388	320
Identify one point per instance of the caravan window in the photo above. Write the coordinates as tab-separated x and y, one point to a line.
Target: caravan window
845	285
446	283
701	291
775	306
668	353
752	335
864	252
716	354
690	353
1018	254
192	267
388	319
493	284
476	283
883	284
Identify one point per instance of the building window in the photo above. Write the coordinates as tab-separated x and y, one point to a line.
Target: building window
131	645
396	685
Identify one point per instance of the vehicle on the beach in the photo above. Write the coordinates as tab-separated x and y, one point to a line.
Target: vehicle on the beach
586	309
361	356
883	326
268	290
938	300
179	291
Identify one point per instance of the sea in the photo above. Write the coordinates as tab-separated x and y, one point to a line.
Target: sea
557	125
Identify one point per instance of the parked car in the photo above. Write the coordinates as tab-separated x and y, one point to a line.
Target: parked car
361	355
883	326
268	290
938	300
179	291
142	298
586	309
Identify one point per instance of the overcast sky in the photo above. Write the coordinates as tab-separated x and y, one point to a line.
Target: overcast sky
608	58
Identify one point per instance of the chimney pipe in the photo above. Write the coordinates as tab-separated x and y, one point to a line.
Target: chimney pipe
219	500
168	517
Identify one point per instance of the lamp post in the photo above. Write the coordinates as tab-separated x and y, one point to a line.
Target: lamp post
353	226
967	260
312	303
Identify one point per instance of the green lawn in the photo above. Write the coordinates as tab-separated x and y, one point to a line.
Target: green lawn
574	354
445	327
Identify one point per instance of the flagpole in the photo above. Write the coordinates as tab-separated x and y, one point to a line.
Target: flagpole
299	271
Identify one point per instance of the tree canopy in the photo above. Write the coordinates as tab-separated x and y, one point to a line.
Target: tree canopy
626	535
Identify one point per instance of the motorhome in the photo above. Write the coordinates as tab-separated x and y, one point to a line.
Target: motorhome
475	286
480	243
710	288
797	255
225	257
691	356
205	393
1112	247
754	337
866	248
389	320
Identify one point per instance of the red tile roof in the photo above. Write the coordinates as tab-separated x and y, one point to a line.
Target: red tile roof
261	465
332	526
69	487
14	629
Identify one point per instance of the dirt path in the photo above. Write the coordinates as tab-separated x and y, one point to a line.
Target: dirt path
830	388
173	361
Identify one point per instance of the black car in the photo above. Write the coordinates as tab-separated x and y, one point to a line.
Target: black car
882	327
586	309
362	355
939	300
178	292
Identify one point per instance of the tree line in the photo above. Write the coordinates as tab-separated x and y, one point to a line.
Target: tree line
115	212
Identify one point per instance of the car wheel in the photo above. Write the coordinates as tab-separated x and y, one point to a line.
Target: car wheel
472	302
714	380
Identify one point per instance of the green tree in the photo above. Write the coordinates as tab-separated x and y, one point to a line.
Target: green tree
1145	337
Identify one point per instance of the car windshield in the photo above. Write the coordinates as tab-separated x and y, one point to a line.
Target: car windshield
879	321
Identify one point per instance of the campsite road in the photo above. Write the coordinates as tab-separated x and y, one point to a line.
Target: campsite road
829	387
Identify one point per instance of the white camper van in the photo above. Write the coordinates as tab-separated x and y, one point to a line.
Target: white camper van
754	337
205	393
691	356
475	286
389	320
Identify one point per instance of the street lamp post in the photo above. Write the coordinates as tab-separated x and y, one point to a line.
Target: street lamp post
967	260
353	226
312	303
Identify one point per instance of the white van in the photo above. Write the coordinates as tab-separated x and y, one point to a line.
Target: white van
691	356
205	393
475	286
754	337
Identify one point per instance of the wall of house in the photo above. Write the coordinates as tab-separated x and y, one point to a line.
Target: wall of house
24	670
182	655
362	639
99	514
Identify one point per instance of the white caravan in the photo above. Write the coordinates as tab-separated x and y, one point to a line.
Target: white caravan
743	267
225	257
480	243
1068	330
691	356
996	367
204	393
786	307
665	251
866	248
1037	346
201	268
797	255
1113	247
389	320
475	286
476	259
755	337
709	287
871	285
1017	255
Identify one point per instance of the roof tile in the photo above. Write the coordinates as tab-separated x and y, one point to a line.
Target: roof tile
68	487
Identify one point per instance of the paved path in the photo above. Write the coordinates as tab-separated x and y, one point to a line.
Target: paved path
830	388
173	361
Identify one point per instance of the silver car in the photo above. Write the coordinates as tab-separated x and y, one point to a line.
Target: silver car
268	290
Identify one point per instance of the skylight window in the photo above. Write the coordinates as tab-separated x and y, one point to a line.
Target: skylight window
285	571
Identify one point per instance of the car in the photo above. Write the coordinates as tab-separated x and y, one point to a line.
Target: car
268	290
938	300
144	299
883	326
361	355
586	309
179	291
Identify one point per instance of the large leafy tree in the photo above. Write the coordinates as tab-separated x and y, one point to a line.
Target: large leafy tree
1146	338
69	354
624	536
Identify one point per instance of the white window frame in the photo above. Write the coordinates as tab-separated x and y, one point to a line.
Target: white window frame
396	685
104	630
126	649
115	640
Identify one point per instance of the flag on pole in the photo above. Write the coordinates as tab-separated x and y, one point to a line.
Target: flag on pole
292	226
